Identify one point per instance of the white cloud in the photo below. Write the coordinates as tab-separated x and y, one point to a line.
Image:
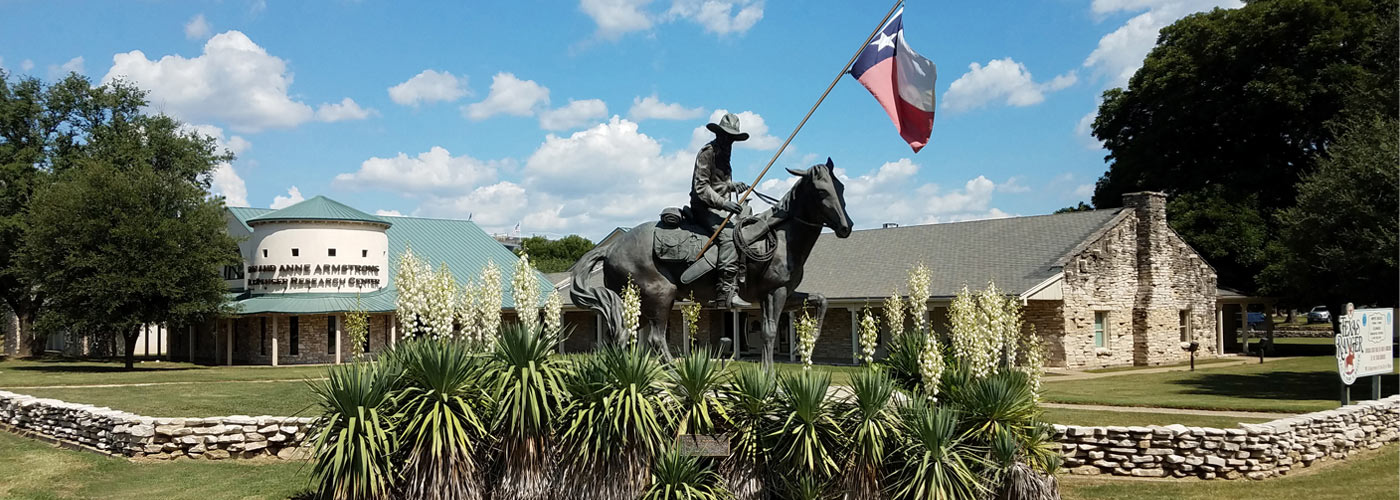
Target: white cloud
651	108
429	86
1085	191
719	17
616	18
893	193
433	171
346	109
74	65
197	28
1119	54
573	115
26	65
1013	185
1084	130
292	198
394	213
224	180
748	122
234	80
509	96
1001	80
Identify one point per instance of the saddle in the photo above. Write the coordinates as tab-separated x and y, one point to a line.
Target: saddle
679	238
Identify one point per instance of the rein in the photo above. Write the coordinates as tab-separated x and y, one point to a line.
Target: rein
768	235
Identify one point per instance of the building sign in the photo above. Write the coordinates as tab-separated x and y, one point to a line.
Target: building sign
315	275
1364	344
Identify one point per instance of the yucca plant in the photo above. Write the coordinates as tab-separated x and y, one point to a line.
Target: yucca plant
1002	403
617	420
808	440
443	403
695	383
867	419
749	398
677	476
804	487
527	382
353	437
934	461
903	364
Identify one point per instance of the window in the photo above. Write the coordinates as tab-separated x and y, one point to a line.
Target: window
294	336
1184	325
264	253
1100	329
233	273
330	334
296	252
262	344
330	252
364	253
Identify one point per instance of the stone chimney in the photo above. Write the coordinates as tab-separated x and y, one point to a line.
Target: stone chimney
1153	311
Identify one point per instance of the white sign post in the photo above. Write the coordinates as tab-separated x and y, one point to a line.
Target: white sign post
1364	347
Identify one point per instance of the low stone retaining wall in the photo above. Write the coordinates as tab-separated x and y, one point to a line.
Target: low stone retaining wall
126	434
1254	451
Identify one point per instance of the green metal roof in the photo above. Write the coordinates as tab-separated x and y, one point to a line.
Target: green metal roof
317	208
459	244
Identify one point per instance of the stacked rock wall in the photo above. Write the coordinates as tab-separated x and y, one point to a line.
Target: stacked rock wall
121	433
1255	451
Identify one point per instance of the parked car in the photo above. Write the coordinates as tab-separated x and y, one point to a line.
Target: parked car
1256	320
1319	314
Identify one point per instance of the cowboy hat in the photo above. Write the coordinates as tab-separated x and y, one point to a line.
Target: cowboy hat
729	124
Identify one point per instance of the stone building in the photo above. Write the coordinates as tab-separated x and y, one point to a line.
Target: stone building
1101	287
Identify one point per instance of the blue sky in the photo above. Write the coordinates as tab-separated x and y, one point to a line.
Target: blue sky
576	117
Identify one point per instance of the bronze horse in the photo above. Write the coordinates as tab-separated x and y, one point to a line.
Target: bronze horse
816	201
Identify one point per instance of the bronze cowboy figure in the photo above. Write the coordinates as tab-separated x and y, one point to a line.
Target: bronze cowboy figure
660	257
710	188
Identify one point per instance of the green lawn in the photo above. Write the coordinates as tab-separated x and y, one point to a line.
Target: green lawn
1098	417
1367	475
35	470
1292	385
193	400
47	372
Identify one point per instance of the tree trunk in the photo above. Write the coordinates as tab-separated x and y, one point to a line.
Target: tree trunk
130	337
27	345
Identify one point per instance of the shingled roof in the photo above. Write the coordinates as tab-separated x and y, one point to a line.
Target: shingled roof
1017	253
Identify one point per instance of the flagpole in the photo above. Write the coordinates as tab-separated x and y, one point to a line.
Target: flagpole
834	81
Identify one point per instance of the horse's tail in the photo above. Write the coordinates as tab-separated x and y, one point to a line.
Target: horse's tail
598	299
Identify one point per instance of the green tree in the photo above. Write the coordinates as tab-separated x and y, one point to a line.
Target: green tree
45	129
123	231
1234	106
1081	207
1339	244
555	256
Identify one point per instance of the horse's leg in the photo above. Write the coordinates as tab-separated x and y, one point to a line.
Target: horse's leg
657	313
773	305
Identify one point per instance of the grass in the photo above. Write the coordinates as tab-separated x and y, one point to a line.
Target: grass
1292	386
35	470
192	400
1199	362
49	372
1098	417
1369	474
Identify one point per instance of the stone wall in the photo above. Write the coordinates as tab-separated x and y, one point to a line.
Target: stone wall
126	434
1254	451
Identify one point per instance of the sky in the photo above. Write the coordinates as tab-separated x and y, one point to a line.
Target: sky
571	117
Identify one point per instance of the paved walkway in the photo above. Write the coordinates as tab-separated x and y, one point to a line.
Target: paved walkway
1171	411
1062	376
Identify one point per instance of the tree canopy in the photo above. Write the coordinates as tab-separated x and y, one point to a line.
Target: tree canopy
1233	107
105	212
555	256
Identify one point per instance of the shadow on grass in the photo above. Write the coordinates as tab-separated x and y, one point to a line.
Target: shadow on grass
1283	386
66	365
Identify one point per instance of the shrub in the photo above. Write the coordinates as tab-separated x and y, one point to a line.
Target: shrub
616	422
807	442
749	399
866	418
933	461
676	476
695	383
527	381
353	437
442	403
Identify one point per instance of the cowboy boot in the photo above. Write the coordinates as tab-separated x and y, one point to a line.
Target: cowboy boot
729	288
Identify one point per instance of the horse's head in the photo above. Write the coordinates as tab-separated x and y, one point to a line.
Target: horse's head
822	195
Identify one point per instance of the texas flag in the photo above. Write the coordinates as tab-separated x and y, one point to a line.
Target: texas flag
901	79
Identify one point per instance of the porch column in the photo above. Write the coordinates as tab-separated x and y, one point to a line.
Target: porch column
1244	328
274	340
685	336
393	330
1219	329
792	339
738	332
1269	325
228	342
855	335
338	321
